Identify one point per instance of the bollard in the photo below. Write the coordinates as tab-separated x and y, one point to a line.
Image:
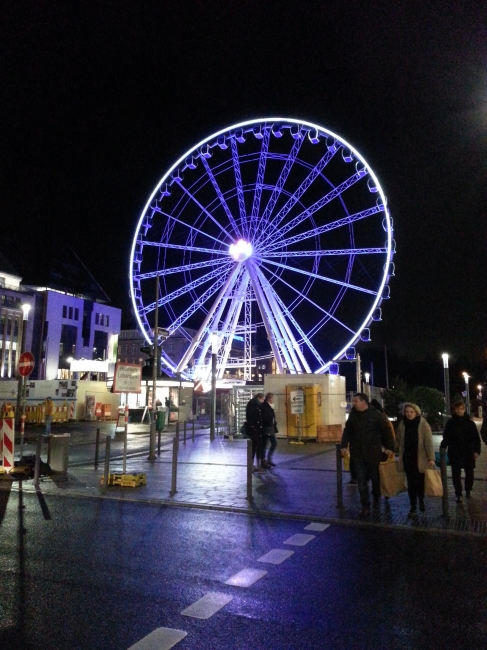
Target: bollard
177	428
97	448
107	462
184	432
22	432
158	443
249	470
194	420
152	440
37	466
124	468
444	498
175	449
339	475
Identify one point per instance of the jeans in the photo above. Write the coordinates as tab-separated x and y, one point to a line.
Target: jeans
456	472
365	471
48	425
268	435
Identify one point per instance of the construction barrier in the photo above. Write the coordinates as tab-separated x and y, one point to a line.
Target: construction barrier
125	480
99	410
8	443
71	411
107	411
60	414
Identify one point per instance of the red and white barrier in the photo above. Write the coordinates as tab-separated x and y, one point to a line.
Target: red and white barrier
8	447
71	411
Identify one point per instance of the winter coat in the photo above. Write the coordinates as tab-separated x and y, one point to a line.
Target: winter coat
461	439
483	430
268	417
253	413
426	450
367	432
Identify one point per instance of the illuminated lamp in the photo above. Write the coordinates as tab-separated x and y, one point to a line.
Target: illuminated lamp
241	250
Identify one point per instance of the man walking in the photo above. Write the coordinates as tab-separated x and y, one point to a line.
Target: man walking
255	428
368	435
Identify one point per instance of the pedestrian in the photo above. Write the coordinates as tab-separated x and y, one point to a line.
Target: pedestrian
254	428
48	410
461	439
368	435
269	430
416	453
377	405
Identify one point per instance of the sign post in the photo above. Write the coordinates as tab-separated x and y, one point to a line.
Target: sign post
26	366
297	408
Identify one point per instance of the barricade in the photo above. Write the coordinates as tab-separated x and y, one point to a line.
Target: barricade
107	411
8	443
99	410
71	411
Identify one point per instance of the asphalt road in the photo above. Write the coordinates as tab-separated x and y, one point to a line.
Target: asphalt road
82	574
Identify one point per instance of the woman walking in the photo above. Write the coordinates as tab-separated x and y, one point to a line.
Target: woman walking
461	439
416	453
269	430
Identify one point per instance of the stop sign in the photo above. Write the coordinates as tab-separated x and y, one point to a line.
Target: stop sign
26	364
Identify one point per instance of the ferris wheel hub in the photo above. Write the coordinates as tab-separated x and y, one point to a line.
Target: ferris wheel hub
240	251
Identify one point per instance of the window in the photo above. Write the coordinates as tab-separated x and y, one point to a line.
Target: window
65	311
71	313
97	319
106	321
76	313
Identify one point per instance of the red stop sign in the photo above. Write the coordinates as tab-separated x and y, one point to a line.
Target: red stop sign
26	364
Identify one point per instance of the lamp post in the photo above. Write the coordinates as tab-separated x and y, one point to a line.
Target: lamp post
367	383
20	409
467	396
214	350
446	376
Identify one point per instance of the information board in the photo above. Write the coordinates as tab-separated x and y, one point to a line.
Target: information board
127	378
297	402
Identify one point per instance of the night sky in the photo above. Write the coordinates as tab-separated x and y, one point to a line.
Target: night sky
100	98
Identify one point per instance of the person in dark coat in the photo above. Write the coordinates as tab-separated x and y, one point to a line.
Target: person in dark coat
269	430
369	435
254	428
462	441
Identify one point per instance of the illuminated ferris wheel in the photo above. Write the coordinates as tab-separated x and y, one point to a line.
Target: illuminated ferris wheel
272	226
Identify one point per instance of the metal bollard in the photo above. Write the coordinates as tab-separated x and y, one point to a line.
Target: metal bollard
107	461
158	443
177	428
339	475
152	440
184	432
249	470
444	498
194	420
37	466
175	449
97	448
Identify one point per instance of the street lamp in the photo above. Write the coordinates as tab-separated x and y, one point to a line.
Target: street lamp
467	396
367	384
446	377
214	350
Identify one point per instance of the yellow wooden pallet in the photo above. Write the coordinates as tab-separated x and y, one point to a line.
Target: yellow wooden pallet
125	480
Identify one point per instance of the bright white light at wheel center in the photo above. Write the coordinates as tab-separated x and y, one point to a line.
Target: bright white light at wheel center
241	250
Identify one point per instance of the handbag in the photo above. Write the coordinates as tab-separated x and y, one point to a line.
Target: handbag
433	486
392	481
346	461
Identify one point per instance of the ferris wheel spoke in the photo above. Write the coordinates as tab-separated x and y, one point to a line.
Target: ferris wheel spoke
322	202
320	277
228	212
230	325
186	225
203	209
314	173
225	285
238	182
292	345
254	219
179	269
303	296
184	289
324	253
345	221
191	249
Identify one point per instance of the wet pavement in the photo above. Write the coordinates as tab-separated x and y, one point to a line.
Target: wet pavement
213	475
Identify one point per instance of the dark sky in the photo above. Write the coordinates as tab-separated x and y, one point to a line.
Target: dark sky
100	98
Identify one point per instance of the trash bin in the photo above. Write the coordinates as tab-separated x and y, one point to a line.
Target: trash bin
160	420
58	459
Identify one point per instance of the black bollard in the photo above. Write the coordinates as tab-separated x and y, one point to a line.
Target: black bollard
107	462
37	466
184	432
97	448
175	449
444	498
339	476
194	420
249	470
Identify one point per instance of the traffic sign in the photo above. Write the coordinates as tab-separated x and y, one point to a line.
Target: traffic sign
26	364
297	402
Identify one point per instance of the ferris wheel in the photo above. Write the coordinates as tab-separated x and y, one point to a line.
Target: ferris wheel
273	228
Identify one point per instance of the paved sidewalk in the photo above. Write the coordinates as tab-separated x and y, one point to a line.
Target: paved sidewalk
303	484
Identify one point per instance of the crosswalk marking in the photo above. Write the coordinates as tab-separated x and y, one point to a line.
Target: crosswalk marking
317	527
245	577
300	539
276	556
207	606
163	638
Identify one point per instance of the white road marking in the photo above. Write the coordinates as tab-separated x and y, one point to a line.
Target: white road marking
163	638
299	540
207	606
276	556
318	527
245	577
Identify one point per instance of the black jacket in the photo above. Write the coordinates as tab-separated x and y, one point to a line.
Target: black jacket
268	416
367	432
461	439
253	413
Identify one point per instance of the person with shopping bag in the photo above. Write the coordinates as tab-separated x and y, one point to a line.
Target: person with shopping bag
416	453
461	439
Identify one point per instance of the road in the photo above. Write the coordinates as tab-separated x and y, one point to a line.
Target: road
91	574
